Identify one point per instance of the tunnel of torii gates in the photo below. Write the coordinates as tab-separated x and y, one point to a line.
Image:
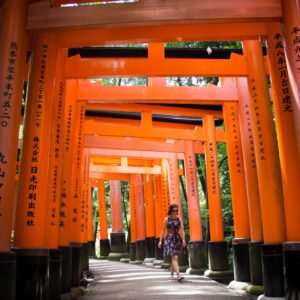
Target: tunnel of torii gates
71	144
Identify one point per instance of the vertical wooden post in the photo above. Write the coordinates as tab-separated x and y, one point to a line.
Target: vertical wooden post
268	168
133	220
12	65
150	218
104	241
251	182
240	243
217	248
165	186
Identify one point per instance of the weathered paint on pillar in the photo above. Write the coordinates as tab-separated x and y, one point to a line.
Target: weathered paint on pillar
266	151
213	184
116	206
249	160
12	66
67	169
236	170
76	229
30	229
174	182
284	106
56	152
102	210
149	205
140	209
158	205
192	192
165	186
132	201
291	35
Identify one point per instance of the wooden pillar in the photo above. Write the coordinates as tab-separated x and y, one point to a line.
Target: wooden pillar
69	126
150	216
286	107
217	248
240	243
13	43
31	212
104	241
291	35
268	168
133	220
165	187
251	182
140	219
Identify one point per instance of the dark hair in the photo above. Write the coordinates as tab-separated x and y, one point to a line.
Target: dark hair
171	207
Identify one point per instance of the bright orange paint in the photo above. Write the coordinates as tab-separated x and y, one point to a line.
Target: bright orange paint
236	169
132	201
213	184
13	20
266	151
159	216
90	225
165	186
116	206
149	205
102	210
192	193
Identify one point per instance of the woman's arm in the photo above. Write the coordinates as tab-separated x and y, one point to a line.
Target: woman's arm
162	232
182	232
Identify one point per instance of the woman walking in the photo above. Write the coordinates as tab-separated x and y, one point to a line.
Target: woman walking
175	240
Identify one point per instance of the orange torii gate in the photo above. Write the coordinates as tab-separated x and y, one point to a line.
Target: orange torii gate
14	40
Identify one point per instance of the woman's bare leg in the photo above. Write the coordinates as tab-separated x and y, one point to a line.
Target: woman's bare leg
175	264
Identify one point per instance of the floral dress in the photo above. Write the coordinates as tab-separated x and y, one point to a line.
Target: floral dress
173	242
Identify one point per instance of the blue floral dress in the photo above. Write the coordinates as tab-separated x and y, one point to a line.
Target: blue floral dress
173	242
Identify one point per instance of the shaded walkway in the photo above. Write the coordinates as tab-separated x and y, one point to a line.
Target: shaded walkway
115	280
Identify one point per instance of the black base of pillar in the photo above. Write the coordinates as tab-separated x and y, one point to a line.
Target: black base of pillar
55	271
133	251
117	242
66	269
158	251
167	262
255	261
272	261
8	275
104	248
150	247
291	255
218	256
76	263
92	249
32	274
241	265
140	250
85	257
197	257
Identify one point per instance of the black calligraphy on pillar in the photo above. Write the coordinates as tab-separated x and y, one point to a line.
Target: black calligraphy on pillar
250	136
296	41
9	87
236	140
212	166
191	171
257	121
282	69
80	133
33	182
172	166
63	199
68	128
41	89
3	162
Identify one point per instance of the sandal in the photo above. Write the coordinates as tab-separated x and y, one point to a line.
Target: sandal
179	278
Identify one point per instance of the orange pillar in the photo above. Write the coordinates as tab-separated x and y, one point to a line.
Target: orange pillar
268	167
286	101
159	216
217	248
251	182
31	211
291	35
12	66
133	220
150	216
140	219
240	243
104	241
174	182
90	229
56	152
165	187
117	237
